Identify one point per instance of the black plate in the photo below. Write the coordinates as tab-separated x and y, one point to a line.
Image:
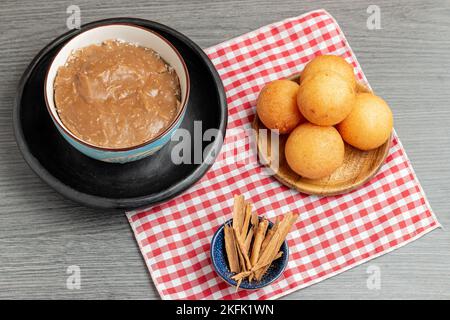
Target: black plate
99	184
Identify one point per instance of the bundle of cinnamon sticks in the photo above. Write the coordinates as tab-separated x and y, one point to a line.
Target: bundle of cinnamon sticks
250	244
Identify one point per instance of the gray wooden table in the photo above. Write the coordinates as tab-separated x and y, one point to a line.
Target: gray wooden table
407	61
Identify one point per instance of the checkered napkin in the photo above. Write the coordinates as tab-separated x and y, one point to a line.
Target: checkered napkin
332	234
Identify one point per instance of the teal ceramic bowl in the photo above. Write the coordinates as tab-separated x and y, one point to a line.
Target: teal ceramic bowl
133	34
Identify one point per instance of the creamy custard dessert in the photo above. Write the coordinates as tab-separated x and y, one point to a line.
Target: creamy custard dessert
116	94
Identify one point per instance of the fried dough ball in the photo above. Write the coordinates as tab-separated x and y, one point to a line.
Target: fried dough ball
326	98
370	123
277	106
314	151
329	63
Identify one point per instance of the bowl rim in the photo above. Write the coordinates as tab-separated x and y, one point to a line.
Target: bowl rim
214	263
145	143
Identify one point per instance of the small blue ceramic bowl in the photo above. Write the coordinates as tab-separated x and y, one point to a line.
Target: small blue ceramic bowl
220	262
133	34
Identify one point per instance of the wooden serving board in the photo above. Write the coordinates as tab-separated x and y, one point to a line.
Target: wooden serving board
358	167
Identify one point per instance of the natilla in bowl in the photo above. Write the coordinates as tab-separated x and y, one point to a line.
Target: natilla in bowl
117	92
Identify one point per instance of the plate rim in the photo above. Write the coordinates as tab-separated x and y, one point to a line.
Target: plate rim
105	202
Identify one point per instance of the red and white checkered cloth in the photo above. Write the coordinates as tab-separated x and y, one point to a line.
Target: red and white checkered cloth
332	234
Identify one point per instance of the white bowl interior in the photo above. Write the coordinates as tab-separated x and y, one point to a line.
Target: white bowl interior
127	33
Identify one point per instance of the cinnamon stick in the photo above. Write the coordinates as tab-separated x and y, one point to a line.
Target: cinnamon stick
238	284
242	263
254	221
238	213
267	256
248	240
242	252
269	234
278	256
241	275
246	222
230	249
259	237
281	233
265	260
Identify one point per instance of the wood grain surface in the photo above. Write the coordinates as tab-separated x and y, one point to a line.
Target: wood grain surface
407	62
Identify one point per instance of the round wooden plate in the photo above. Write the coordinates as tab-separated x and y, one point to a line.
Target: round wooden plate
358	167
